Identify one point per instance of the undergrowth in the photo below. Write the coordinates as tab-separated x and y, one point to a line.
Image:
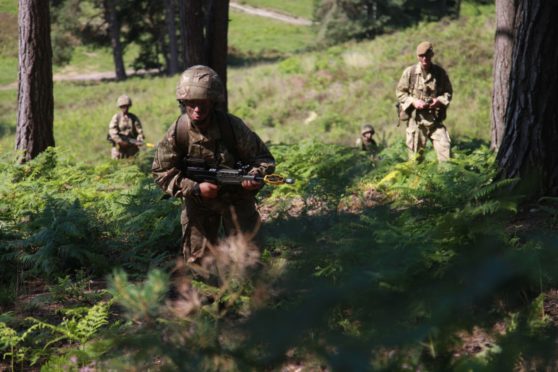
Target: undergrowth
371	286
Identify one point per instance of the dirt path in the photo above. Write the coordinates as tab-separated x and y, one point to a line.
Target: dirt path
271	14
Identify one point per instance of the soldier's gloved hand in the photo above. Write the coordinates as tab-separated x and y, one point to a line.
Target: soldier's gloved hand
122	143
420	104
435	103
208	190
251	185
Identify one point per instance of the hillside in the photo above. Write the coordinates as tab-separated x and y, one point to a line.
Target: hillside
339	89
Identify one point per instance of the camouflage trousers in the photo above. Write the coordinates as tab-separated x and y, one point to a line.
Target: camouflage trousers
418	135
123	152
202	221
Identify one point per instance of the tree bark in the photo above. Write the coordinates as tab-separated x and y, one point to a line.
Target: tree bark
183	42
503	48
195	40
528	148
114	34
217	41
35	113
172	67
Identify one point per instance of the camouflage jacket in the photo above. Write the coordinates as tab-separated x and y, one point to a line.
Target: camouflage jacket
210	147
123	127
435	84
368	146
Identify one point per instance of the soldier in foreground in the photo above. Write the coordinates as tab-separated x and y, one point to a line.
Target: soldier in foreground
424	93
206	137
125	131
366	140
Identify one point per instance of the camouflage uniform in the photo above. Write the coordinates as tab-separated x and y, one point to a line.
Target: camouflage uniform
201	218
428	123
124	126
368	145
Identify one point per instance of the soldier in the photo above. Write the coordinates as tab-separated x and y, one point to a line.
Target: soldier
125	131
366	141
424	92
218	139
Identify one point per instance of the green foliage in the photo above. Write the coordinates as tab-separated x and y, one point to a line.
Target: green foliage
142	302
364	19
63	215
12	344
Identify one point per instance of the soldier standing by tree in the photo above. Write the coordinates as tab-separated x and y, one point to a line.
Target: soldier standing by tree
125	131
424	92
205	134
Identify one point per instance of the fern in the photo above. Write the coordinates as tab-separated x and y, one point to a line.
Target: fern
76	329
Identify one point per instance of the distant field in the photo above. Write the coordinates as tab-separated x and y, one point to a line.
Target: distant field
298	8
251	34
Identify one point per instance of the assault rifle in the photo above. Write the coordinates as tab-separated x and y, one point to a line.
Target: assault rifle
228	176
131	141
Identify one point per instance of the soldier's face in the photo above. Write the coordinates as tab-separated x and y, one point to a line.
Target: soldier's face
198	109
124	108
425	60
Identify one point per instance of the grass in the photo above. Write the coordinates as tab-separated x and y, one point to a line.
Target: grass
8	6
258	35
298	8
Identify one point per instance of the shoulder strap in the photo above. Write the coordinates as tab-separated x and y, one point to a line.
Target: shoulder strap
181	134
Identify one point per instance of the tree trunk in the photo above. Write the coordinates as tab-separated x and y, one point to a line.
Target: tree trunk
114	34
528	148
503	48
35	114
195	45
183	42
172	67
217	42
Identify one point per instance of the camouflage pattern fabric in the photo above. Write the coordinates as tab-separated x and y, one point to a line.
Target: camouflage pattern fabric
370	147
124	127
201	219
425	124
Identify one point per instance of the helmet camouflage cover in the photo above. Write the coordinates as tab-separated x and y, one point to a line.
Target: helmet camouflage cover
123	100
200	82
367	128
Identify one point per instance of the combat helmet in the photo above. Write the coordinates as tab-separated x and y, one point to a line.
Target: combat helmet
200	82
367	128
123	100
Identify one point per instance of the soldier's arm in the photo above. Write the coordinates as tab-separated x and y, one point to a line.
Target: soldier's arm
252	150
165	168
139	129
445	91
114	131
403	90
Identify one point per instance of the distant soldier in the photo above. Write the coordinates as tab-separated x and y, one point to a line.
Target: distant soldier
203	134
366	141
424	93
125	131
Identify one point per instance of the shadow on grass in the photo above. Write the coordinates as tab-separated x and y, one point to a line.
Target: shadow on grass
6	129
